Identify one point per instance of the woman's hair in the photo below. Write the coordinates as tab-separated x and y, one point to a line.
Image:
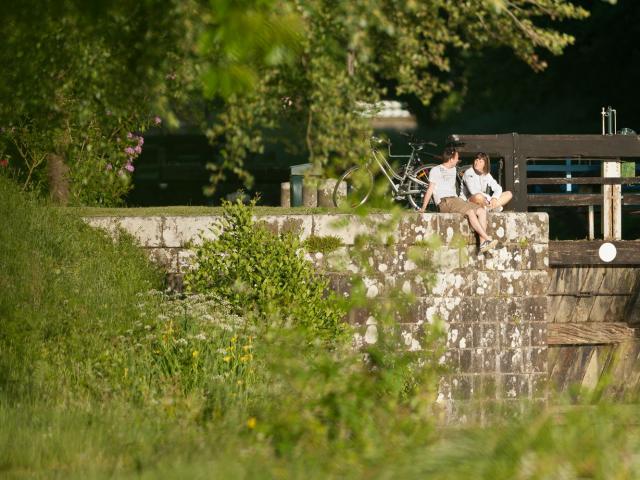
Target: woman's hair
487	164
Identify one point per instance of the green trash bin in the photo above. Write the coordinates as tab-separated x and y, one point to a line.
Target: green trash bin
296	179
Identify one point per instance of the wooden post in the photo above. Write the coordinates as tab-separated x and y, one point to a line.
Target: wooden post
285	194
612	203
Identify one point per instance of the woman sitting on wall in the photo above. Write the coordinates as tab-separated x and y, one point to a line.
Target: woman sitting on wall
477	180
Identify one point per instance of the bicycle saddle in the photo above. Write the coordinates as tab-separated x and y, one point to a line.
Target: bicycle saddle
416	143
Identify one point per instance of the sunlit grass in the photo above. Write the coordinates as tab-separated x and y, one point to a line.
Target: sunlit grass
103	375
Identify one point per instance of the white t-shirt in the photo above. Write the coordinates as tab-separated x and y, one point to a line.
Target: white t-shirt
444	180
473	183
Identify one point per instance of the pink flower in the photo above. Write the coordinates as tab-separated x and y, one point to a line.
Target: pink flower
129	167
4	163
138	149
140	140
157	120
129	135
109	167
129	151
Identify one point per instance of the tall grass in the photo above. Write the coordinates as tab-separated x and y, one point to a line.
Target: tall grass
103	375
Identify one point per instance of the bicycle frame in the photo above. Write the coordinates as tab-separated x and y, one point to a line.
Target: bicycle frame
391	174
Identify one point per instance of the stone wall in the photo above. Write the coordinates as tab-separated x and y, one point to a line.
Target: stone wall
494	305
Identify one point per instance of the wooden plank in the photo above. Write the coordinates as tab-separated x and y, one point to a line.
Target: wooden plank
585	252
499	145
584	181
587	146
552	147
588	333
630	199
575	199
564	199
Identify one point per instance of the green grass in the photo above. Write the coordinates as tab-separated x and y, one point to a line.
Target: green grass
102	376
185	211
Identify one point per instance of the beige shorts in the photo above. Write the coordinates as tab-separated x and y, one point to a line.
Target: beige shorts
456	205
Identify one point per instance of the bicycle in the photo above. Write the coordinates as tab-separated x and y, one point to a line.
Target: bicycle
356	184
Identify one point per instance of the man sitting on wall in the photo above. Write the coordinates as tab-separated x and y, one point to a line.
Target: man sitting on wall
442	186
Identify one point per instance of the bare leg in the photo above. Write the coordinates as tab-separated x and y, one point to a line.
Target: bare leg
504	198
478	199
475	224
481	213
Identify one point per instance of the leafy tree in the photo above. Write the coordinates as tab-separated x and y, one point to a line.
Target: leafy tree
79	78
364	50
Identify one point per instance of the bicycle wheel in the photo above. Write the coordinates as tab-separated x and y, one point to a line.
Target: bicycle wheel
416	190
353	187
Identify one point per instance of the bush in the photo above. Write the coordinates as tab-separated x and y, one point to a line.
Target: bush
258	271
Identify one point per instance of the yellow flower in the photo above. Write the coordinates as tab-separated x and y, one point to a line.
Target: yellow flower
246	347
195	354
227	358
234	339
251	423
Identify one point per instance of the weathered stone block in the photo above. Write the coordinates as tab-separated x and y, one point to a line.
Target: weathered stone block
164	257
536	360
445	308
489	335
460	335
417	228
462	387
146	230
454	229
476	360
182	231
453	284
495	309
538	385
471	309
534	309
184	260
515	386
539	334
488	386
300	225
466	361
418	284
490	360
535	256
511	360
514	335
485	283
506	257
348	227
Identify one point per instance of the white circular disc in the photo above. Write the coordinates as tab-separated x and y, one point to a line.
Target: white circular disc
607	252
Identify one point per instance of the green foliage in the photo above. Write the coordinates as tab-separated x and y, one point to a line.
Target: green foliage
362	51
326	244
61	283
77	78
257	270
103	376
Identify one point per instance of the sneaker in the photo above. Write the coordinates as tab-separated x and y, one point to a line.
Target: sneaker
488	245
